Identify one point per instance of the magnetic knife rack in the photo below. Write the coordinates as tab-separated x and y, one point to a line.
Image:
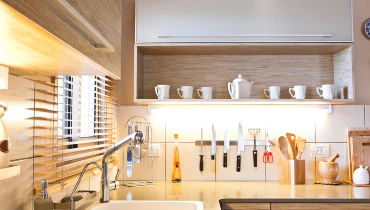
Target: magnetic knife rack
232	143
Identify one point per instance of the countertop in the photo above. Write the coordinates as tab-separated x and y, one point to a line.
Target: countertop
211	192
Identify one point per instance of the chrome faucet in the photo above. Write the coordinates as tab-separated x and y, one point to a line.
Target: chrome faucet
135	138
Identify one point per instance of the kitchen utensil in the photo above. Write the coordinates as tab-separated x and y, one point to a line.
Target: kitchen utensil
213	154
274	92
356	131
240	148
187	92
162	91
129	162
327	91
267	155
299	90
301	145
292	142
332	159
240	88
226	146
206	92
254	132
361	175
283	142
328	172
201	151
360	150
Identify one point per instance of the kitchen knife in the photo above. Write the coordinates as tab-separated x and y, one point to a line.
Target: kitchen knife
240	147
213	161
226	146
129	162
201	151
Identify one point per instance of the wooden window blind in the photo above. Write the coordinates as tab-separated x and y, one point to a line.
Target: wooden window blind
75	121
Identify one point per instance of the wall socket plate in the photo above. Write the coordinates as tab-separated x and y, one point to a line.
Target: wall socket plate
155	151
320	150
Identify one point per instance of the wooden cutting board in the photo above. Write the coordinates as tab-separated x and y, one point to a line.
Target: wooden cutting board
360	151
360	131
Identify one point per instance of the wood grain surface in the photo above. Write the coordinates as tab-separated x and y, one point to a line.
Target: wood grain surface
217	70
320	206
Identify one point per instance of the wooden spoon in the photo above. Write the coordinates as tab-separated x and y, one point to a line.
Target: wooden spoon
301	144
283	142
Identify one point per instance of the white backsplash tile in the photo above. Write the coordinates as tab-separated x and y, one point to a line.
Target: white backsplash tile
314	127
333	127
367	115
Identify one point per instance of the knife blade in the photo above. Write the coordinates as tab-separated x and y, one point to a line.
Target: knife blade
226	146
213	161
240	147
201	151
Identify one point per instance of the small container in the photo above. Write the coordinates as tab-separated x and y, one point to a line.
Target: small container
361	175
294	172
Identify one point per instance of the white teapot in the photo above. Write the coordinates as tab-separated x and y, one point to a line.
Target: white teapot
240	88
361	175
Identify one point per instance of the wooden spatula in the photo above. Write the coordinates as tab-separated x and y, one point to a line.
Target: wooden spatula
283	142
301	144
292	141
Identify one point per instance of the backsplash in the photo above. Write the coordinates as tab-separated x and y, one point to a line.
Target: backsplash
310	122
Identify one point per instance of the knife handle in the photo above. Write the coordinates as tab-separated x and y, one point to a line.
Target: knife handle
201	163
238	162
213	164
225	160
255	158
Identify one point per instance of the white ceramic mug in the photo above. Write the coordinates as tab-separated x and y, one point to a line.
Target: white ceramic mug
162	91
299	90
187	92
274	92
327	91
206	92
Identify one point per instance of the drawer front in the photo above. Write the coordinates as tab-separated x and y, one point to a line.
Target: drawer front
244	21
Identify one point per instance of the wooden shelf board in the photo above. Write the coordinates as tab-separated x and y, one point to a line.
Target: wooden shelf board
48	171
47	162
241	101
11	171
48	145
242	48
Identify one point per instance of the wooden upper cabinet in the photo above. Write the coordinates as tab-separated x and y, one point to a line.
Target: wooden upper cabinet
244	21
92	27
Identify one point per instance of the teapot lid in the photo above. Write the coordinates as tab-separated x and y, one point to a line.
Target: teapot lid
240	79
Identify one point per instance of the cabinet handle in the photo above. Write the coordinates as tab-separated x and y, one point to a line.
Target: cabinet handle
102	44
247	35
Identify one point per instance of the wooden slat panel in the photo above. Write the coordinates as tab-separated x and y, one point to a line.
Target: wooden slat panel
246	206
47	145
48	171
47	154
47	162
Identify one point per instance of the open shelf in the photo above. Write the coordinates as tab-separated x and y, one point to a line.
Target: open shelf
11	171
267	64
242	101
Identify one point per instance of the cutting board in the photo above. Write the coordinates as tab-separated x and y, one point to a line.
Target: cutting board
360	151
360	131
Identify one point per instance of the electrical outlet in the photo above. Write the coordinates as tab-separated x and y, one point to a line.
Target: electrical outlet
154	150
320	150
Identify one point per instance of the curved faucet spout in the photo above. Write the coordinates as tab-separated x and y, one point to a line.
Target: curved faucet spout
136	137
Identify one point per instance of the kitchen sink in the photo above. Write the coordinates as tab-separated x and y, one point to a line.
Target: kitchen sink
144	205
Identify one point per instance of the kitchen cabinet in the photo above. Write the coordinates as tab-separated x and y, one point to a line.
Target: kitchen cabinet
243	21
294	206
320	206
216	64
246	206
84	29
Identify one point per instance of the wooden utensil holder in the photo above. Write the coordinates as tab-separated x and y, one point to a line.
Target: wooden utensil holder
294	172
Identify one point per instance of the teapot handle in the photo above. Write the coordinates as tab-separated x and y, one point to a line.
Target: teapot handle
231	89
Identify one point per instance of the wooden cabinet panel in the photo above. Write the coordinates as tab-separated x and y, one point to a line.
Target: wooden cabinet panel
320	206
246	206
244	21
103	15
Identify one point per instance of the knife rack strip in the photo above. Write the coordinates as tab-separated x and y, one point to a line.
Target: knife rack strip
232	143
